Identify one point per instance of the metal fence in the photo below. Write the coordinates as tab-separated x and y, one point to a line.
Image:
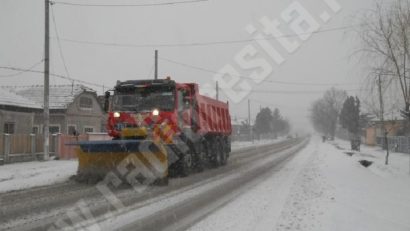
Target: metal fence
396	143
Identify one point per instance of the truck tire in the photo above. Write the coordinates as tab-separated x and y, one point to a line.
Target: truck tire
216	154
185	165
200	157
161	181
224	153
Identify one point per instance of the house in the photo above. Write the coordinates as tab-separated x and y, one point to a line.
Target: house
73	109
394	124
240	130
16	113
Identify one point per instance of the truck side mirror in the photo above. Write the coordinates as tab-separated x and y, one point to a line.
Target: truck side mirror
107	101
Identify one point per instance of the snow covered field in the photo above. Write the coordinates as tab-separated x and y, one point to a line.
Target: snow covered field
323	188
31	174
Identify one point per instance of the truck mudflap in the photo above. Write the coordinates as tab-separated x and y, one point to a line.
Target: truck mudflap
131	160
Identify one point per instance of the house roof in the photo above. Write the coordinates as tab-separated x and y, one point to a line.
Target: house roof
12	99
388	116
60	95
238	122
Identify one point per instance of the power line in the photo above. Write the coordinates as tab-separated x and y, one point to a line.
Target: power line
282	91
193	44
128	5
59	43
151	70
51	74
23	70
246	77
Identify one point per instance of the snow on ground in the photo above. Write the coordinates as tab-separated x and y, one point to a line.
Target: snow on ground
323	188
31	174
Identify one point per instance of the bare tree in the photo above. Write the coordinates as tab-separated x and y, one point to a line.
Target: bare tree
325	111
385	35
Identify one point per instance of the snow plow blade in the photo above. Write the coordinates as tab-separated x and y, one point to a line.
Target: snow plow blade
132	161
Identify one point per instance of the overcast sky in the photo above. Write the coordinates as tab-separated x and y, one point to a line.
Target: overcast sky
320	61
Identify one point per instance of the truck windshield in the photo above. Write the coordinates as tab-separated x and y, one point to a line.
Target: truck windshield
144	99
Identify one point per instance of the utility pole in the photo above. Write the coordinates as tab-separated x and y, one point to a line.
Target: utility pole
217	91
386	141
46	80
249	119
156	65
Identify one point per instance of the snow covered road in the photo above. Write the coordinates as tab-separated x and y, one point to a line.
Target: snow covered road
41	207
19	176
270	187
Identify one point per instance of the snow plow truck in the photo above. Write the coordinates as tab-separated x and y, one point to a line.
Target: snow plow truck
159	128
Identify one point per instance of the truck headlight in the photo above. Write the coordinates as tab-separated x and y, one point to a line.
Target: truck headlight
155	112
116	115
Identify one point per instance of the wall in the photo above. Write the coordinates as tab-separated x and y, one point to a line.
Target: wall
23	121
370	136
76	116
377	131
85	117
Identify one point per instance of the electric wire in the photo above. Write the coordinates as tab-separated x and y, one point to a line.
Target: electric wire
151	70
52	74
246	77
194	44
283	91
59	43
22	70
127	5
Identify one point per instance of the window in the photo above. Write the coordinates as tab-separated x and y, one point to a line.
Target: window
86	102
88	129
9	128
54	129
35	130
71	130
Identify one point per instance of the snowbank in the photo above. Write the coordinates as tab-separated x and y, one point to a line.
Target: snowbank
323	188
399	163
31	174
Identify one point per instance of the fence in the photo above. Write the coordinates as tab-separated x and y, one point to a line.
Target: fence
29	147
24	147
396	143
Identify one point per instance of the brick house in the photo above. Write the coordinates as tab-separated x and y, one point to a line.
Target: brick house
72	108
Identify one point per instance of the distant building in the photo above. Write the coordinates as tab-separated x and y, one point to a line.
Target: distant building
73	109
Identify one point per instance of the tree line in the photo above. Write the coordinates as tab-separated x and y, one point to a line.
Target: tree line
335	108
271	122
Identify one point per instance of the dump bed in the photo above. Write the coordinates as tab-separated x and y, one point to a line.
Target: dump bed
214	117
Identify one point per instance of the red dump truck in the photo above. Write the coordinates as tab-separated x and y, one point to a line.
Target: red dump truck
163	126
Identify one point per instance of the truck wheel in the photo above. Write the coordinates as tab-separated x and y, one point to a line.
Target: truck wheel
185	165
224	157
199	162
161	181
224	153
217	154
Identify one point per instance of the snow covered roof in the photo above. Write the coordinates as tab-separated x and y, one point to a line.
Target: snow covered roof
60	95
238	122
388	116
12	99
